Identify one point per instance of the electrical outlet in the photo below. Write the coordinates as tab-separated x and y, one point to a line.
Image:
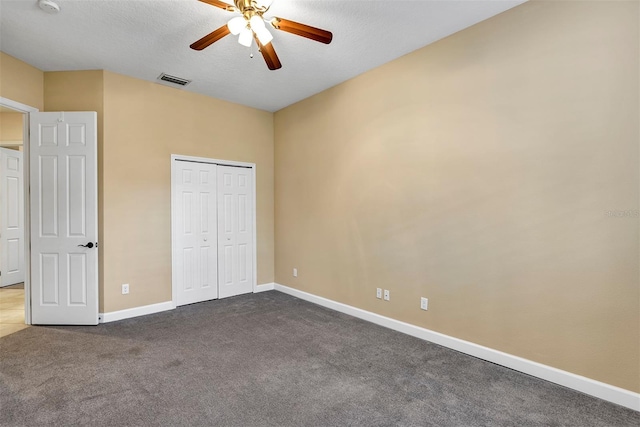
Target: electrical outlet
379	293
386	295
424	303
295	272
125	289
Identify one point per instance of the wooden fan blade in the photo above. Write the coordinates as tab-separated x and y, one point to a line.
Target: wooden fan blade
303	30
220	4
269	54
211	38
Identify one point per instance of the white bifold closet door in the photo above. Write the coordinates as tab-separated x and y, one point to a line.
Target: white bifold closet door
197	232
235	231
213	248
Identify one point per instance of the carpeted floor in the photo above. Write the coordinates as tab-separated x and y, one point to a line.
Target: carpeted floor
269	360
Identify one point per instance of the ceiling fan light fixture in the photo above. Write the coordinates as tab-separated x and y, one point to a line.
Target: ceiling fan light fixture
246	37
257	25
251	26
236	25
256	22
264	36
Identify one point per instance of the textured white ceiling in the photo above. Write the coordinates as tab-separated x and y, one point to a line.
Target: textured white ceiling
143	38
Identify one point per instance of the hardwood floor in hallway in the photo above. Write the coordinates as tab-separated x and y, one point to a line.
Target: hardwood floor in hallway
11	310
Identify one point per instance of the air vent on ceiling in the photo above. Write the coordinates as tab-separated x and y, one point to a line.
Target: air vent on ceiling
173	79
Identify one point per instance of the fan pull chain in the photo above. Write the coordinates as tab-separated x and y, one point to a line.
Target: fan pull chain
251	54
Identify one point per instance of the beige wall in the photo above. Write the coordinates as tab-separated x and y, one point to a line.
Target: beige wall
21	82
11	127
144	124
477	172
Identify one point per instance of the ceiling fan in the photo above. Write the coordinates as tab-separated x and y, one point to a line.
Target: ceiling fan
251	25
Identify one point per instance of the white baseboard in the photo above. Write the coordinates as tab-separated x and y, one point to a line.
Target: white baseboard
264	288
135	312
156	308
585	385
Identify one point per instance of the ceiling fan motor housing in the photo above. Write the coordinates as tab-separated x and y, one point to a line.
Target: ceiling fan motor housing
249	8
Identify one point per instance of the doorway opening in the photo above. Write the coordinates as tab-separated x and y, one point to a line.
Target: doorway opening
15	295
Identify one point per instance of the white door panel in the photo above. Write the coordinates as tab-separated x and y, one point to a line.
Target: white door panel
196	232
11	217
235	230
64	218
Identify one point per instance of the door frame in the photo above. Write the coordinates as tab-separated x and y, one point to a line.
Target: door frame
25	110
174	255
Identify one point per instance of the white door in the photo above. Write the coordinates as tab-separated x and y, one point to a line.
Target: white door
235	230
64	218
11	217
195	231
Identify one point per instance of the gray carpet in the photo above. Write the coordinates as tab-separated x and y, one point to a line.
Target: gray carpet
269	360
